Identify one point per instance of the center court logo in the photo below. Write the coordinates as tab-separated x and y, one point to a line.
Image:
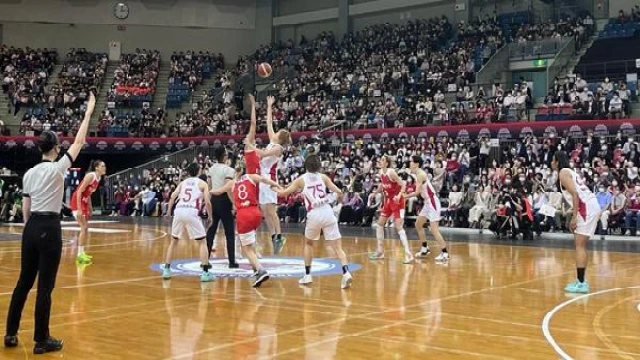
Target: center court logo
281	267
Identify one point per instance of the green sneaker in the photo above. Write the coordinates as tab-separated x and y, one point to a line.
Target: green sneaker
207	277
278	244
166	272
577	287
83	259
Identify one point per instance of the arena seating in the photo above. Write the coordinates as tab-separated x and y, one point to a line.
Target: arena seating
460	171
25	73
187	71
135	79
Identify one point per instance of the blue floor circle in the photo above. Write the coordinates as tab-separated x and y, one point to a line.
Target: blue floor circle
276	266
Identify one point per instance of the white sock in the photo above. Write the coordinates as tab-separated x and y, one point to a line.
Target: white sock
80	250
404	241
380	237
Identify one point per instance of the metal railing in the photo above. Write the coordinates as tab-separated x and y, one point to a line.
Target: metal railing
560	61
497	63
532	50
171	160
614	70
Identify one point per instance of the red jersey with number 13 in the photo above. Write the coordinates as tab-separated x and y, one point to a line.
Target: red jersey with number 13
245	193
389	187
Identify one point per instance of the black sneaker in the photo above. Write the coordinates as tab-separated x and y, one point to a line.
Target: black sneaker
49	345
10	341
261	276
234	266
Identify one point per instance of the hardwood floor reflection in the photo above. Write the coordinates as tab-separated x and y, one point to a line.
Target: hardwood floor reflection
489	302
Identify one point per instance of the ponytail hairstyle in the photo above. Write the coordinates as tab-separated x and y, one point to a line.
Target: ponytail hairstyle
94	164
563	160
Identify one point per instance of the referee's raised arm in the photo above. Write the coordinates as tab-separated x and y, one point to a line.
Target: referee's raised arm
81	136
41	249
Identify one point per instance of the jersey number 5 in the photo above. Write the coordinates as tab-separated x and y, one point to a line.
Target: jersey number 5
319	190
187	195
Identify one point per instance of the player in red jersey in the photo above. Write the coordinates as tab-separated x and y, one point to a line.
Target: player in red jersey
393	189
81	205
251	156
244	192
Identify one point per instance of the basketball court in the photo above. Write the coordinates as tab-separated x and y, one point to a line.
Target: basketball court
494	300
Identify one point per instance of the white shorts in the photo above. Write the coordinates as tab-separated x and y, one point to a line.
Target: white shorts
322	220
267	196
430	212
587	227
187	224
247	239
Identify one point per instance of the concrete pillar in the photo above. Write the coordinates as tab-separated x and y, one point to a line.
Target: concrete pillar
264	22
344	20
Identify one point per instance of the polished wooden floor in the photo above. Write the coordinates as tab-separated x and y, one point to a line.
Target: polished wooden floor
490	302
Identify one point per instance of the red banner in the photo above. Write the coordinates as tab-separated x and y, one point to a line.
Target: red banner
576	128
134	90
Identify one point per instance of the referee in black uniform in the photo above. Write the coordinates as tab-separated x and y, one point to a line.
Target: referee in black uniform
42	236
219	174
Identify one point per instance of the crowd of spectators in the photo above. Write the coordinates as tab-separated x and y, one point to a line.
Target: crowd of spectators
135	79
189	68
25	73
62	107
506	192
145	122
627	17
391	75
578	99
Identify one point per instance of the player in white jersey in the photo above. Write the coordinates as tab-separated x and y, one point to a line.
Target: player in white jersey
430	211
586	213
190	194
320	216
269	159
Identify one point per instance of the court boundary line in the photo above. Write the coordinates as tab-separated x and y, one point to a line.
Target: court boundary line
549	316
597	327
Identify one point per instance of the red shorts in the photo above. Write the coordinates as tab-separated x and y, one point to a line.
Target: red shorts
248	220
252	162
393	209
84	206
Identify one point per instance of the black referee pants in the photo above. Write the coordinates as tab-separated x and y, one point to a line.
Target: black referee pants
41	252
223	210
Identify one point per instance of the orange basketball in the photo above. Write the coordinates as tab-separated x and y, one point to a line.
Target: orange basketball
264	70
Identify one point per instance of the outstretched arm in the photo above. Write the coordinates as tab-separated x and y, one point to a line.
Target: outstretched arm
81	135
296	185
263	179
272	134
250	140
226	188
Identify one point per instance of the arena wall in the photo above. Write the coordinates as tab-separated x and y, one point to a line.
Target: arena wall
288	7
165	25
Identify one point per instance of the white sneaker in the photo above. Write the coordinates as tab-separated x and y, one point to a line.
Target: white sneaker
443	257
408	259
305	280
346	280
423	253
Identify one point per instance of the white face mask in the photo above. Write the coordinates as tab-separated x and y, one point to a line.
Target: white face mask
601	189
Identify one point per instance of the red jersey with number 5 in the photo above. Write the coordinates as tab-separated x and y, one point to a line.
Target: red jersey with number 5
245	193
